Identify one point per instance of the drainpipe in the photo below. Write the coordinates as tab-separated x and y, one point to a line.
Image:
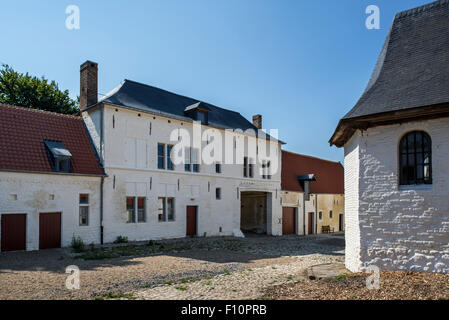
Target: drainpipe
101	210
304	213
102	178
316	213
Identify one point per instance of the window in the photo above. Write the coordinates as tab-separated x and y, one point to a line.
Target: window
170	209
415	159
191	162
320	215
248	167
195	160
170	165
187	166
161	156
218	167
133	204
84	209
245	166
266	169
58	155
330	214
130	208
202	116
218	193
140	209
166	209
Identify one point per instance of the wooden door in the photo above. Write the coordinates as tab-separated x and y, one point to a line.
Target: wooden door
50	230
310	223
13	232
341	222
288	220
191	220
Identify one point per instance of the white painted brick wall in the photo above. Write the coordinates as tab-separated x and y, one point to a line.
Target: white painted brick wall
401	228
137	175
33	191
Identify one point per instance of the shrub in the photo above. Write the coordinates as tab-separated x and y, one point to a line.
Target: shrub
121	239
77	244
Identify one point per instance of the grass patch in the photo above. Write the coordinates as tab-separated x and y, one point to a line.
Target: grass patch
341	277
153	247
119	295
182	288
77	244
121	239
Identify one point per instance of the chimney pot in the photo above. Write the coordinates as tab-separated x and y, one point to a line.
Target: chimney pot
88	84
257	121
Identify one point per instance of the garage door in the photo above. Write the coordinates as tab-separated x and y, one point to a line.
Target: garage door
13	232
50	230
288	220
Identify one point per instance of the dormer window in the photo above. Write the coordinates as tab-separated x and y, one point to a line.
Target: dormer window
58	155
201	116
199	112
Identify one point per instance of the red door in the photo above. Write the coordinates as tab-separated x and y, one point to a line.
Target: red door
191	220
13	232
50	230
288	220
310	223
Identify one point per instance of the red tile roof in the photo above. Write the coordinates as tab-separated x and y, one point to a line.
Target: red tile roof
329	174
22	135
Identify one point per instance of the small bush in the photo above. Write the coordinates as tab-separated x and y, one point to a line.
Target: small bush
77	244
121	239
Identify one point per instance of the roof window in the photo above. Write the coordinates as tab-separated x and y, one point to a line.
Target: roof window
58	155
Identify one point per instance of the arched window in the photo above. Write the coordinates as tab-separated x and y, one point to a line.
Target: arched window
415	158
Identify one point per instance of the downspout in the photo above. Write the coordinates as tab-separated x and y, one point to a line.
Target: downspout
304	213
102	178
101	210
316	213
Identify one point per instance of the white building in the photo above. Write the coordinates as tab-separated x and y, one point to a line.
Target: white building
312	195
396	142
146	196
50	180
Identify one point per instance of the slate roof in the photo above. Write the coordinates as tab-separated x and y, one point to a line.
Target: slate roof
413	67
146	98
329	175
22	135
412	70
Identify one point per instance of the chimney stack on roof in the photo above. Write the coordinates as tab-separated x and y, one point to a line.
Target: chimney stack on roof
88	84
257	121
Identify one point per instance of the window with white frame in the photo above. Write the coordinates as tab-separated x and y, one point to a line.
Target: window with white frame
218	193
191	160
248	167
166	209
136	209
84	209
266	170
161	156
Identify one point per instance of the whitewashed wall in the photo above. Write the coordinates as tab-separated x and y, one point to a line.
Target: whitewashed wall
391	226
295	200
33	197
130	159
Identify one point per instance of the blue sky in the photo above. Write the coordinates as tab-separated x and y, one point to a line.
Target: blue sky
301	64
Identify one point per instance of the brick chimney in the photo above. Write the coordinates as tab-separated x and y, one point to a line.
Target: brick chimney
88	84
257	121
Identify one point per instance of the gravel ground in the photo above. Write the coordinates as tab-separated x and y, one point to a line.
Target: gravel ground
394	285
41	274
